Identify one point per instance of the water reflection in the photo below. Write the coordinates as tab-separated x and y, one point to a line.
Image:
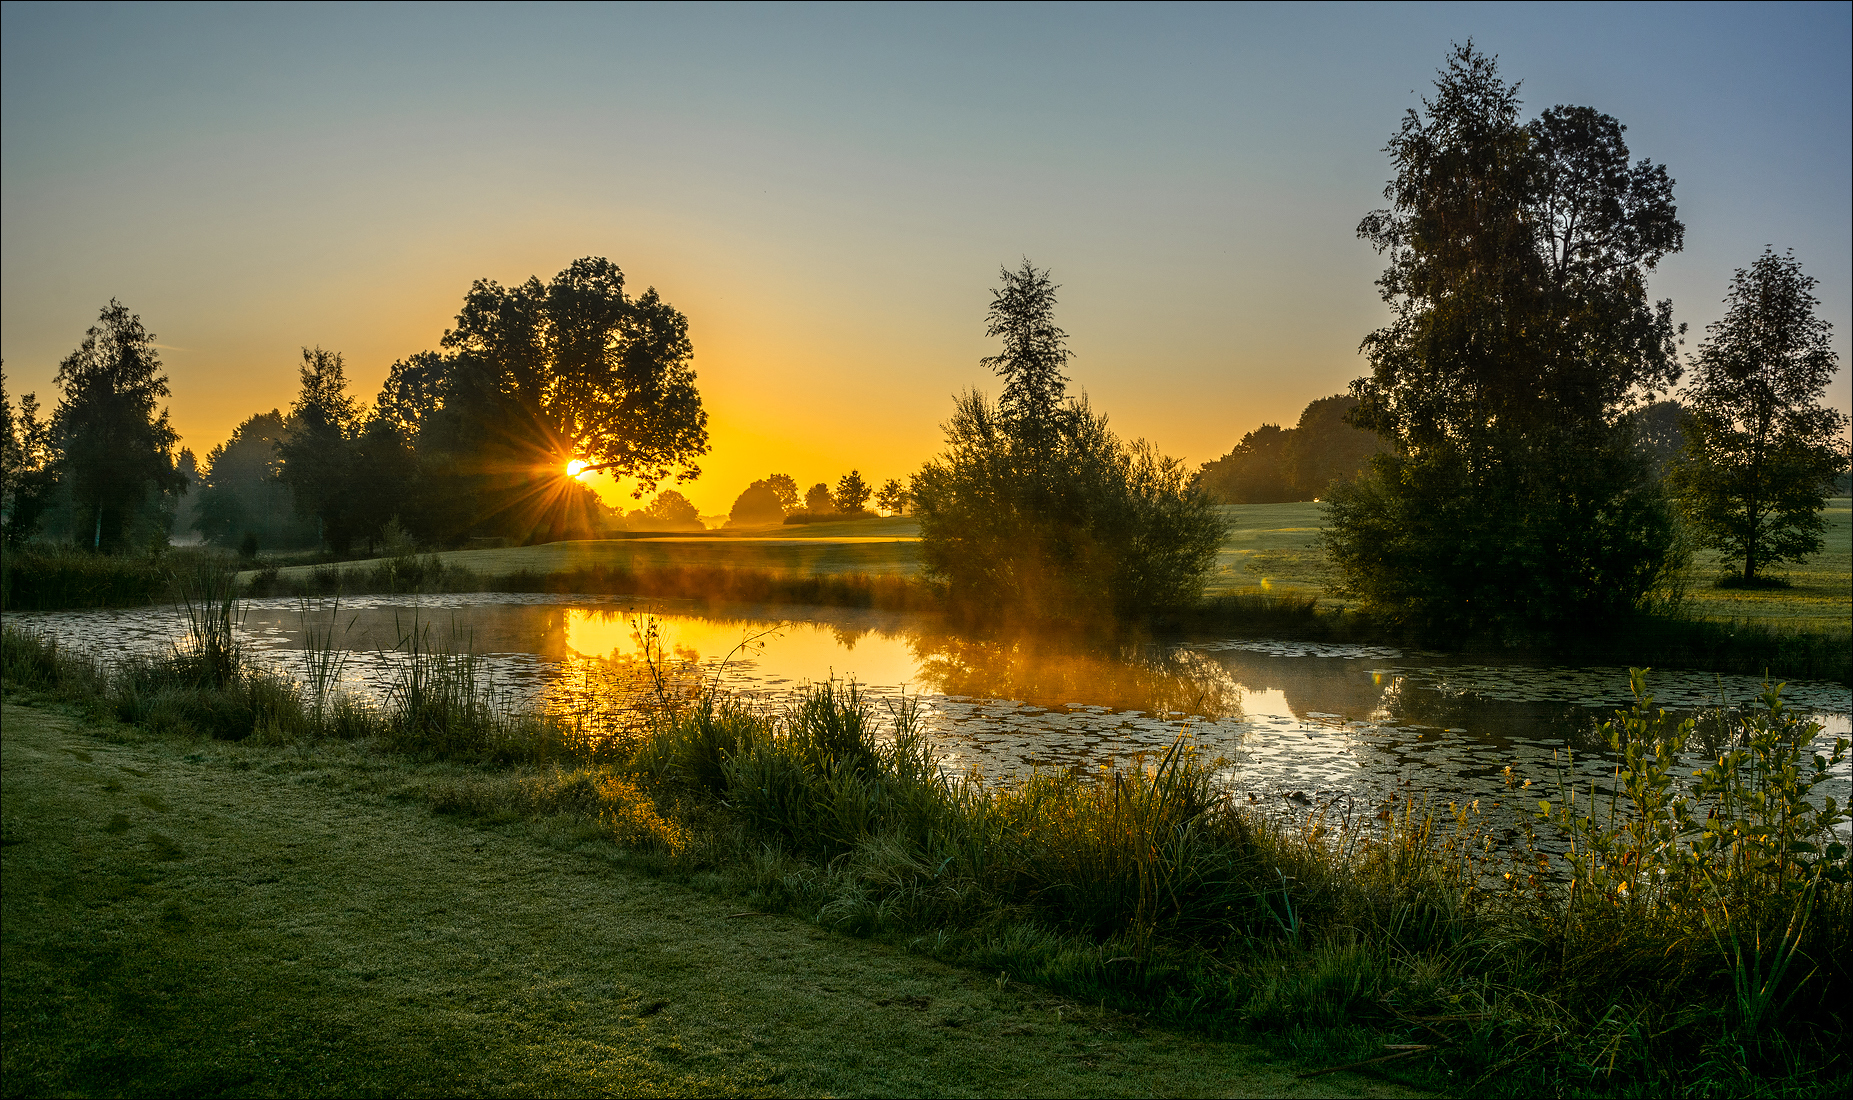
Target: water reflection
1359	723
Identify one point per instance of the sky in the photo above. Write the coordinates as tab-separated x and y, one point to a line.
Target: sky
828	192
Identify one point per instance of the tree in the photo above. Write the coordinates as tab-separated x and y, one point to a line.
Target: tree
1036	507
543	374
1022	314
27	473
851	493
116	451
318	455
385	476
756	505
1512	499
817	499
1324	448
892	497
241	493
785	489
670	511
1762	451
1254	471
1271	465
1660	433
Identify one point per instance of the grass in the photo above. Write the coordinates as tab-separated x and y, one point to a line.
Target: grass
1274	548
1819	593
874	547
201	917
1697	948
40	577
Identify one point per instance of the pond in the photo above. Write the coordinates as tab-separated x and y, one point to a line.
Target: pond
1301	726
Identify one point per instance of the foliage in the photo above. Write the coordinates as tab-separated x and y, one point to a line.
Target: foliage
668	511
241	495
1660	429
28	474
349	469
1035	507
1762	450
1426	545
1271	465
1747	825
785	489
1324	447
1514	499
817	499
1022	314
851	493
1254	472
893	497
1074	524
758	503
115	450
538	375
43	578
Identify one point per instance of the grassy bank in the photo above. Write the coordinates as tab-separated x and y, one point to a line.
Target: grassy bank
38	578
208	918
1698	954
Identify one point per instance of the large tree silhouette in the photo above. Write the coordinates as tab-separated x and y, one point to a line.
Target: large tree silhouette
116	449
1511	500
540	375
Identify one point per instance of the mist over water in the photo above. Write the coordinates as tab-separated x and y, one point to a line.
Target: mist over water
1299	726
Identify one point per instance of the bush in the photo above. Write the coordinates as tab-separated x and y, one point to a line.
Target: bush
1072	525
1539	547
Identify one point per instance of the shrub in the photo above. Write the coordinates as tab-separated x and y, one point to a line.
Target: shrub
1074	524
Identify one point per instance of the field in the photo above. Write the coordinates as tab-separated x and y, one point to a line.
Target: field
881	547
1276	547
1821	592
1272	548
189	917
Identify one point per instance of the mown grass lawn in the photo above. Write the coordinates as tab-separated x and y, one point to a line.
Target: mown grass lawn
1272	547
1276	547
207	918
1820	596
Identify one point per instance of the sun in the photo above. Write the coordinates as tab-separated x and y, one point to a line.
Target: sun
575	468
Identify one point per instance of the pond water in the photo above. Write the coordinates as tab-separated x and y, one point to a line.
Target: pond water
1303	726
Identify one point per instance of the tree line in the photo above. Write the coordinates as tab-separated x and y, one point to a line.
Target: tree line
472	440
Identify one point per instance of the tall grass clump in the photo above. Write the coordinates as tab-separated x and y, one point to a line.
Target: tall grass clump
440	704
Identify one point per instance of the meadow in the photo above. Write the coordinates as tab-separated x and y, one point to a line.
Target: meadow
1271	550
1275	548
1681	944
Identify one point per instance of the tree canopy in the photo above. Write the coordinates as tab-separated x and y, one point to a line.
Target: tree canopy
115	446
1036	508
1512	498
1761	449
533	377
757	504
